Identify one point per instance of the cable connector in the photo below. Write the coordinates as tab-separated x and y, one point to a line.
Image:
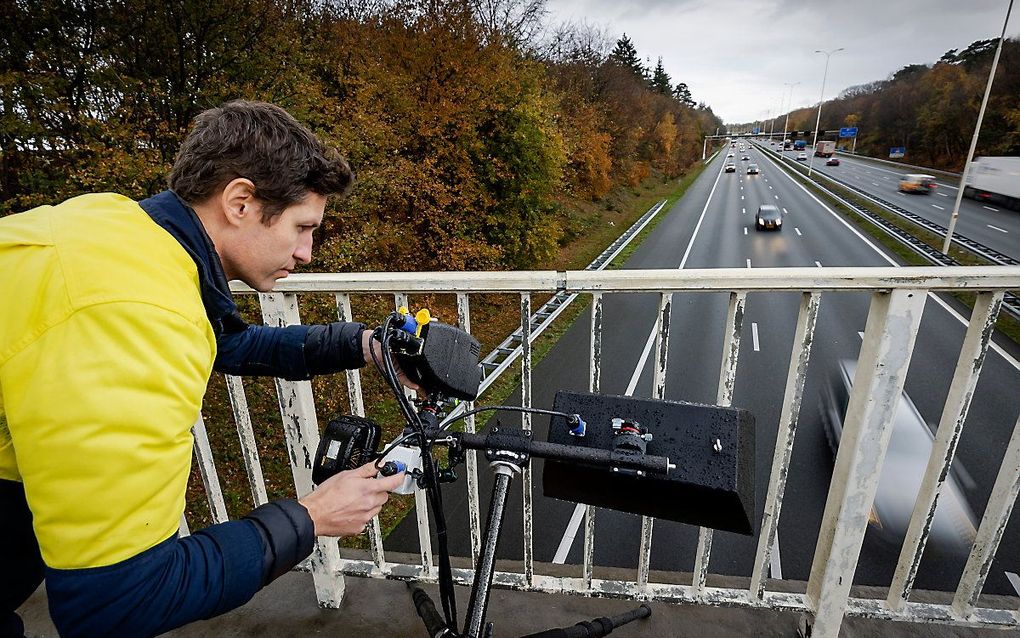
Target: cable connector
577	425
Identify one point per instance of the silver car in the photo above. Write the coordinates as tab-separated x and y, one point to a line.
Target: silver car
910	445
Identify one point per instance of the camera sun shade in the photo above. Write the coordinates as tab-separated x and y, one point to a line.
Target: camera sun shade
448	362
712	448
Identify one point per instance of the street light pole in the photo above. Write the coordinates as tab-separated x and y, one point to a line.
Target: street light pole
818	120
789	107
974	140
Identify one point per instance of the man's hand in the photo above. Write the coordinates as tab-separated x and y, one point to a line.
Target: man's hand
344	504
370	345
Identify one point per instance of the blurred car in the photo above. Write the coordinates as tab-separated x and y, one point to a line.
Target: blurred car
832	161
752	169
802	156
745	158
730	168
954	526
917	183
729	155
768	217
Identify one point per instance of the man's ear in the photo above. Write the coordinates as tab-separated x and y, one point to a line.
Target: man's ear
237	201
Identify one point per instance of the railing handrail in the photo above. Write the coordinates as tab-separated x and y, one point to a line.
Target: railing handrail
665	280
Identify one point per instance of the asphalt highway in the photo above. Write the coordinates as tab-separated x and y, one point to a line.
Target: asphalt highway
989	224
712	226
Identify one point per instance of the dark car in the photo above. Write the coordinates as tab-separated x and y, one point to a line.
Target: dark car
832	161
752	169
730	168
745	158
768	217
910	444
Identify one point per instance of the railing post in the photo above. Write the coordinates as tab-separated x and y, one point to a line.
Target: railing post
961	390
471	456
300	425
594	385
529	509
892	327
803	337
724	396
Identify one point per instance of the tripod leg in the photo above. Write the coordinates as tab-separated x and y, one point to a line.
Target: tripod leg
434	623
487	559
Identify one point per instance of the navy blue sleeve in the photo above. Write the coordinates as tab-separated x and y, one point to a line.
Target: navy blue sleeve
181	579
295	352
263	351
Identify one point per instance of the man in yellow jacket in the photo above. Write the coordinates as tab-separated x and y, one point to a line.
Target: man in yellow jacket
115	314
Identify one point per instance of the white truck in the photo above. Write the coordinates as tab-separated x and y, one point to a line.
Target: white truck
825	149
995	179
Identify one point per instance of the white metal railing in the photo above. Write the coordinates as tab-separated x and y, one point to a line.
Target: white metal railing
897	296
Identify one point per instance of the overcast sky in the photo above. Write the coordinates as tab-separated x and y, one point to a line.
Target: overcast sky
735	56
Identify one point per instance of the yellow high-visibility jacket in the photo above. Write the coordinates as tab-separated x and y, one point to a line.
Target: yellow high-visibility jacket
105	353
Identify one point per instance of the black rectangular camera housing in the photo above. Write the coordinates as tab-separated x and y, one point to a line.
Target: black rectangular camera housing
447	363
712	448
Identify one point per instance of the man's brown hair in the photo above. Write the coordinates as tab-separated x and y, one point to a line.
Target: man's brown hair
260	142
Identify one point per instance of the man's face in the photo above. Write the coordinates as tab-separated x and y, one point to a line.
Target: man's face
260	254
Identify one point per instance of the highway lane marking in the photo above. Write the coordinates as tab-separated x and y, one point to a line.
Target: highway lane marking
748	263
942	195
741	197
743	211
797	230
770	188
745	230
937	206
884	177
988	207
818	263
754	336
997	228
1008	358
776	196
575	519
785	212
775	567
886	170
874	183
1014	580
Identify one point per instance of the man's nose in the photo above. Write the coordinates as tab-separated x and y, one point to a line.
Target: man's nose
303	254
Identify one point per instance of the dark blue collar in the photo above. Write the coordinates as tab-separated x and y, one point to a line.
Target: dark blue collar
177	218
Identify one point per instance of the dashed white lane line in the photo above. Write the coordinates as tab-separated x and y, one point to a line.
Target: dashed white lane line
745	230
937	206
748	263
776	196
1014	580
785	212
994	210
874	183
770	188
754	336
818	263
884	177
775	567
942	195
743	211
797	230
997	228
741	197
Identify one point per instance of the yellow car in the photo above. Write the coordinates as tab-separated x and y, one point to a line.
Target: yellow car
917	183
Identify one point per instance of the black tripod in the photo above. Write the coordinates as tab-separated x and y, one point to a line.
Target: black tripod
508	450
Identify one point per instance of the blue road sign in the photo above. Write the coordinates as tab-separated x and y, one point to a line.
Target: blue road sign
756	130
897	152
848	131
